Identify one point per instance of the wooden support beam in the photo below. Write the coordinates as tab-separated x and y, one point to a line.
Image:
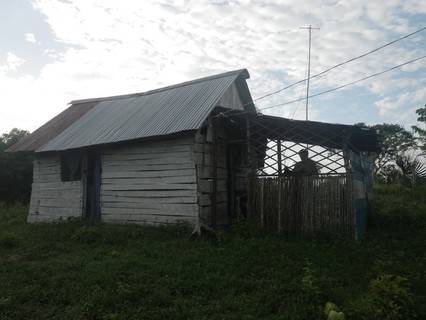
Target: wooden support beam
214	173
279	158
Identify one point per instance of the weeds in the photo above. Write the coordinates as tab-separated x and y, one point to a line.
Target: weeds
76	271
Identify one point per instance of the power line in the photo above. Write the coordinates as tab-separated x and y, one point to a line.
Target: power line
346	84
341	64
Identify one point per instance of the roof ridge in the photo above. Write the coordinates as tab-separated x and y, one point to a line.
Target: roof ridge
242	72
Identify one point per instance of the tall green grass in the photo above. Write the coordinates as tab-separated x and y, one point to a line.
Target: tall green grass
76	271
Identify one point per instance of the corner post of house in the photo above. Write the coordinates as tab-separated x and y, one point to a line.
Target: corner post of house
214	173
249	168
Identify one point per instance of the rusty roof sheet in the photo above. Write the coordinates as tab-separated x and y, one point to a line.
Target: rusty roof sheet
53	127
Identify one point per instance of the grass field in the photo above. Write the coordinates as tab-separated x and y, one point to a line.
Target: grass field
73	271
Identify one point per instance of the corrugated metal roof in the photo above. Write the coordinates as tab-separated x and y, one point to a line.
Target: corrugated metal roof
52	128
159	112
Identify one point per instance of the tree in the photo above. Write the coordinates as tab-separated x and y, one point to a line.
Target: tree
395	140
15	169
8	139
421	133
412	169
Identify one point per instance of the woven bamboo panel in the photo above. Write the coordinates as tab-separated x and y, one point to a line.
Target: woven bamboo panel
303	206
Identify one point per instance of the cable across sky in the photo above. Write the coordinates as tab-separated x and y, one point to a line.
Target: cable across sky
345	85
340	64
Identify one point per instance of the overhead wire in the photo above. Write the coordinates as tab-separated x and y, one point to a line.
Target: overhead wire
346	84
329	90
331	68
341	64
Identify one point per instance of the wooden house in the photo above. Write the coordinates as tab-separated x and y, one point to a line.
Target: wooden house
189	153
138	158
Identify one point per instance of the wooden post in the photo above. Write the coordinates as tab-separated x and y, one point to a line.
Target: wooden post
279	158
249	169
262	194
279	204
214	187
280	171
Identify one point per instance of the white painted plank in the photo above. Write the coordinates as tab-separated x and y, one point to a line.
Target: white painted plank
152	193
146	174
140	211
141	162
125	166
157	180
148	220
54	211
67	184
119	199
150	204
148	186
61	202
146	155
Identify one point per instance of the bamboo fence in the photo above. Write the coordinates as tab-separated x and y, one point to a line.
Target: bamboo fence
304	206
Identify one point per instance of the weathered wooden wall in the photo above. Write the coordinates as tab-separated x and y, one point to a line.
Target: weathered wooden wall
216	147
52	199
203	156
150	182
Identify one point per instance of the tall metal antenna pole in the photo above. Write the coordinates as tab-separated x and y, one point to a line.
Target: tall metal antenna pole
309	68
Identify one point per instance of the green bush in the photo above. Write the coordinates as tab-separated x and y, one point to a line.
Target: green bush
311	290
388	298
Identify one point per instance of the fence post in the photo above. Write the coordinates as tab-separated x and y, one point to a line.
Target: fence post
262	195
249	165
279	204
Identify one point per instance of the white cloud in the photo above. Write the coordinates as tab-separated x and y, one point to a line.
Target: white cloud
400	108
12	62
30	37
130	46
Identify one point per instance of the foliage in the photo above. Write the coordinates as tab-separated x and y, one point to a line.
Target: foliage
421	133
311	290
390	298
8	139
395	140
336	315
412	168
408	170
15	169
71	270
329	306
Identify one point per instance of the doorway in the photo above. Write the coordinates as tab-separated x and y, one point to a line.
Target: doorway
93	187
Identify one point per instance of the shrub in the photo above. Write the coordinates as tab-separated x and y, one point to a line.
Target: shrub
311	290
390	298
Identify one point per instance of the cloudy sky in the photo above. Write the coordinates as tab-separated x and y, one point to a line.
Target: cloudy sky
54	51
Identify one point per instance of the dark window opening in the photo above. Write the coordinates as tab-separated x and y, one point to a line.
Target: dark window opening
71	166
